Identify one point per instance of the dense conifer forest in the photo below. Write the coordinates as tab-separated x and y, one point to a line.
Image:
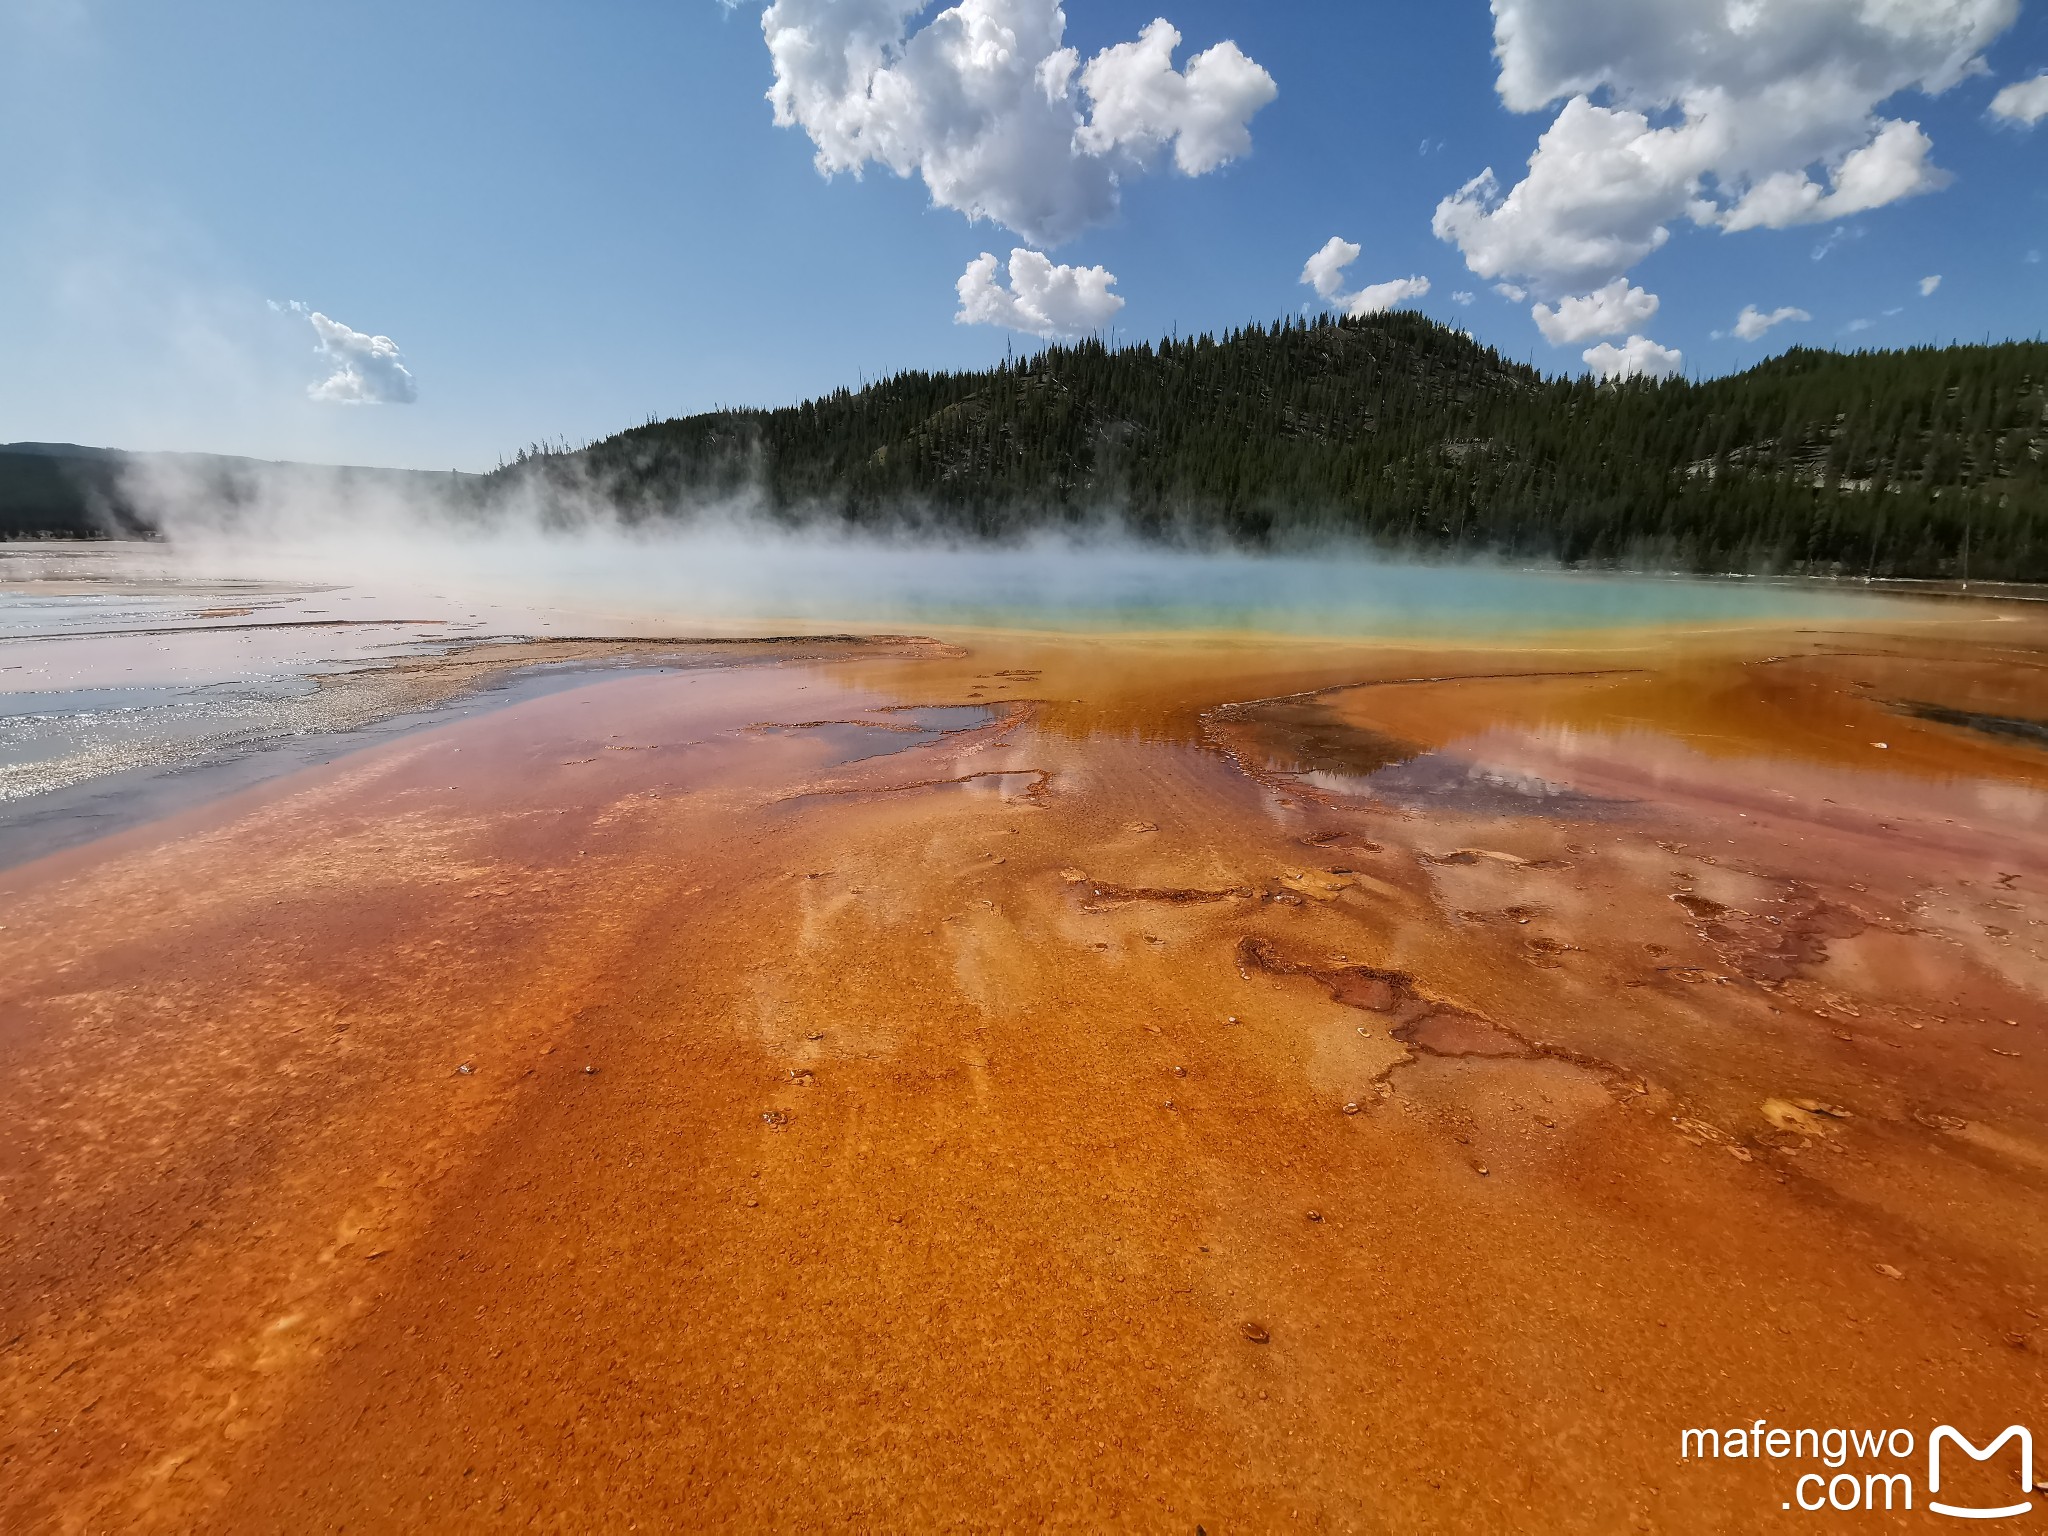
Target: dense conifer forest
1393	429
58	490
1396	429
64	491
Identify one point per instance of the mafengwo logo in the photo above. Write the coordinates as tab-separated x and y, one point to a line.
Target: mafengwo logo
1945	1436
1874	1469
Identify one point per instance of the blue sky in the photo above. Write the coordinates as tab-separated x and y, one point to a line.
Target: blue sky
566	219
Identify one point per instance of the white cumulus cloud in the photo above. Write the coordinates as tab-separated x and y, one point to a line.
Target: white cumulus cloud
1637	358
2024	101
1753	322
1324	272
1140	103
367	370
1609	311
998	116
1042	299
1377	298
1895	164
1733	114
1929	284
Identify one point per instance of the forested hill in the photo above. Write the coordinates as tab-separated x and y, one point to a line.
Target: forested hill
63	490
1919	463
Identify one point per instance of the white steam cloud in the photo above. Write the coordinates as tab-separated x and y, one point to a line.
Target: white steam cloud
560	558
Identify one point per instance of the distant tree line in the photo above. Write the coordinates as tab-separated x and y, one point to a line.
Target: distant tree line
1392	429
64	491
1401	431
58	491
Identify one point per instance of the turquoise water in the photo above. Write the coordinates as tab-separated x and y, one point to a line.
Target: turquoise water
1115	588
1334	596
608	581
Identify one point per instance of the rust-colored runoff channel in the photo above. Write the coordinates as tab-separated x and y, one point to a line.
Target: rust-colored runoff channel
1237	1085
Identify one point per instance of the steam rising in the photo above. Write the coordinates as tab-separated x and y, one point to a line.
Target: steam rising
567	559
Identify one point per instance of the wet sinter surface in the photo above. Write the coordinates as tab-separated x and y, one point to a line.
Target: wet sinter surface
1104	1083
